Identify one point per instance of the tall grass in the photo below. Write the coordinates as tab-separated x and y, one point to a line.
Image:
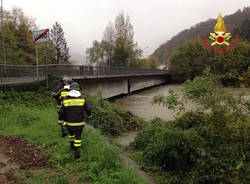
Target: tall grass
99	163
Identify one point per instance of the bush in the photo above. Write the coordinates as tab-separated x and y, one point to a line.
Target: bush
112	120
208	145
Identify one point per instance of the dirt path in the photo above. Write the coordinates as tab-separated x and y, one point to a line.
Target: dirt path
124	140
6	168
19	154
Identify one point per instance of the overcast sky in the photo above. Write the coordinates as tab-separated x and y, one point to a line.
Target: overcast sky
154	21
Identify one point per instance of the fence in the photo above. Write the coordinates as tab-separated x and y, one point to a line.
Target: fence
23	73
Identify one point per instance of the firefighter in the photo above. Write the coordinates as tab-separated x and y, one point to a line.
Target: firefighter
57	94
62	91
73	112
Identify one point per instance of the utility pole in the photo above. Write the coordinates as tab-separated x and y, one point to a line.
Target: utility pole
3	45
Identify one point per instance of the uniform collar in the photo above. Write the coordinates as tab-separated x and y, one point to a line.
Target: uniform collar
74	93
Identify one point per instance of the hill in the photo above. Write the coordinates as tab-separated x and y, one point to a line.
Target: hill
232	22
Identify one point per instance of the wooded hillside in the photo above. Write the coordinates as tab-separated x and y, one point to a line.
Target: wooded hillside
233	22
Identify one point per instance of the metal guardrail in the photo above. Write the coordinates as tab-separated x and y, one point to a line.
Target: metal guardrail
26	73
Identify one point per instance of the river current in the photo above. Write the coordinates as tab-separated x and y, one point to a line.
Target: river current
140	104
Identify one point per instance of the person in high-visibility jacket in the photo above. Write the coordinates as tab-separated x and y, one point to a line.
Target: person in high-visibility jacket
62	91
73	112
64	82
62	95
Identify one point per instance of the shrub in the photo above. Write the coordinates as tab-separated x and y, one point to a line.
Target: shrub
208	145
112	120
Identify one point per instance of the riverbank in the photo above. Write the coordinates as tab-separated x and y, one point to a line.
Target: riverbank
199	146
31	118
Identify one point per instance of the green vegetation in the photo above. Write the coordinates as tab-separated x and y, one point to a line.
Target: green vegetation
32	116
191	59
118	48
208	145
18	41
234	23
111	119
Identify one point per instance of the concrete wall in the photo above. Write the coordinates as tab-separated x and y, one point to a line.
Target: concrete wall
111	87
138	83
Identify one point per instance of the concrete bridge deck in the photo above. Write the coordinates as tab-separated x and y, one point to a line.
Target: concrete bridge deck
111	81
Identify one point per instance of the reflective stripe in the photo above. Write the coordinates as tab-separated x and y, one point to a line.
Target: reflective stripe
60	122
78	141
63	94
73	102
64	123
71	137
74	124
77	145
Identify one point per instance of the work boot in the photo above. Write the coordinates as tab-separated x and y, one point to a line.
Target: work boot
72	147
77	153
64	131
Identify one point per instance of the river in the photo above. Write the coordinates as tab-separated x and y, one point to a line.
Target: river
140	104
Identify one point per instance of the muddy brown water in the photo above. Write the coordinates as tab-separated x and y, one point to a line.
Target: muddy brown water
140	103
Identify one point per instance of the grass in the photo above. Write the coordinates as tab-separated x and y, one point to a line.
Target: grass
99	163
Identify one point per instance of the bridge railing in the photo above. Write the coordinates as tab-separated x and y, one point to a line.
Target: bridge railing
26	73
95	71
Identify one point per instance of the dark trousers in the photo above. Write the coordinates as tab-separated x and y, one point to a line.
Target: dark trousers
60	119
75	133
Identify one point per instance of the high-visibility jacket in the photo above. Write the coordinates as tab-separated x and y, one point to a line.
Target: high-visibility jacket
74	109
62	93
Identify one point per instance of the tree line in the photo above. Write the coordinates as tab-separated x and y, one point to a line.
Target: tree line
192	58
19	48
232	22
118	47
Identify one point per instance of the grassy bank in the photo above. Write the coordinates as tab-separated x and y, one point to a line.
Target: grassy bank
33	116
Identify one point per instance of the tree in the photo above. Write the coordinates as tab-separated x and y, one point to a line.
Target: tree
191	59
108	43
209	143
117	47
245	30
59	43
95	54
18	37
152	62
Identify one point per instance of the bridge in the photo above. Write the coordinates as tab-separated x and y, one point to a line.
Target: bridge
110	80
